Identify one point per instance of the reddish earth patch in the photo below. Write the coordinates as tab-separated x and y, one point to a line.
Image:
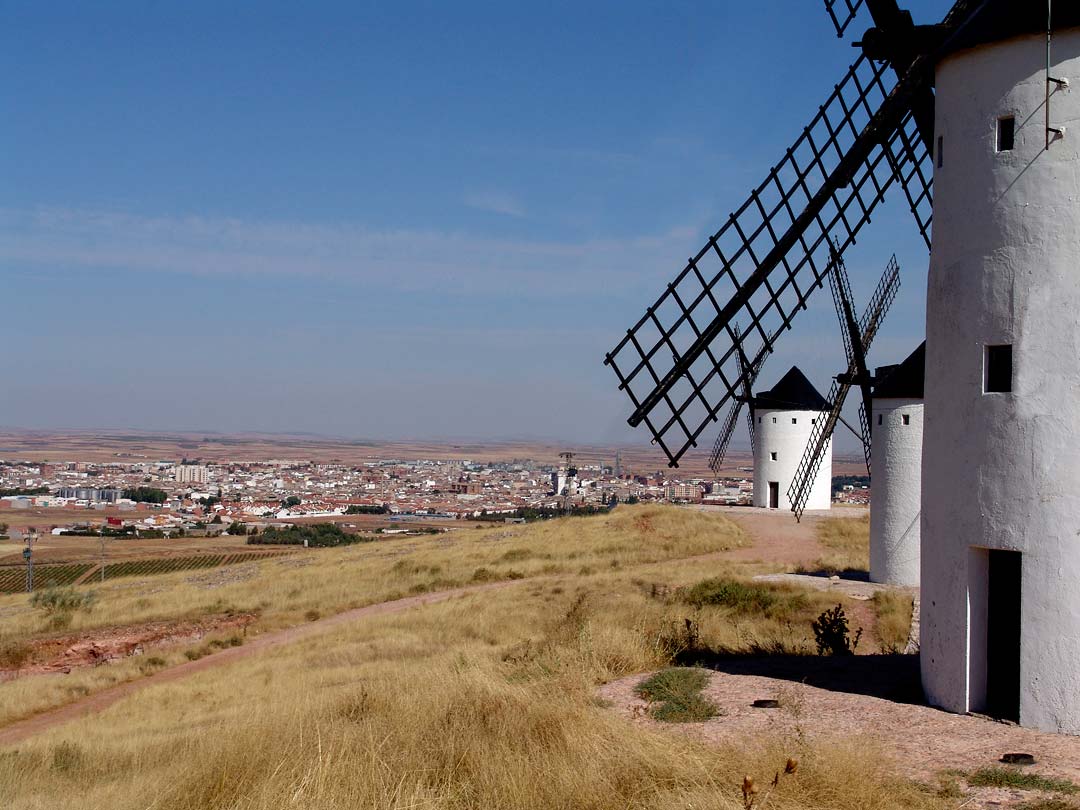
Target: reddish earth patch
93	647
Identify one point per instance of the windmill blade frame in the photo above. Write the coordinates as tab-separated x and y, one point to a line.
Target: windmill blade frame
842	13
824	427
750	372
860	142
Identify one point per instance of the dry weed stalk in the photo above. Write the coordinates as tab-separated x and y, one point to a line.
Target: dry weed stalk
750	789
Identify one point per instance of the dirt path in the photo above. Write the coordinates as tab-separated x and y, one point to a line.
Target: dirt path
777	538
865	700
99	701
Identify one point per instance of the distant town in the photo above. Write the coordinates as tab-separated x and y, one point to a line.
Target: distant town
168	496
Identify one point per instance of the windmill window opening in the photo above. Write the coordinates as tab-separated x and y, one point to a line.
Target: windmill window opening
772	456
940	151
1006	133
907	419
879	418
998	369
774	420
794	421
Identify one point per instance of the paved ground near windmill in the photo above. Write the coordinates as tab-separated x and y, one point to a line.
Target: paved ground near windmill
860	697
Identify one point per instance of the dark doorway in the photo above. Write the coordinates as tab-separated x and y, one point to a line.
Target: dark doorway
774	494
1003	636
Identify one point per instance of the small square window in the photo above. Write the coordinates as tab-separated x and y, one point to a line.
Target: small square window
794	421
772	456
759	420
1006	133
998	370
940	151
879	418
774	420
907	419
813	421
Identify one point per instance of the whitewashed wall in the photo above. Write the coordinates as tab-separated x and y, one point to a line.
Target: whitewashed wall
777	433
1003	470
896	499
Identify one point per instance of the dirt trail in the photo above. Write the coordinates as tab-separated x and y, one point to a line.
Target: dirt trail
777	538
99	701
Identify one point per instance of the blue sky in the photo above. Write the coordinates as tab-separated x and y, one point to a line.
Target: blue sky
386	220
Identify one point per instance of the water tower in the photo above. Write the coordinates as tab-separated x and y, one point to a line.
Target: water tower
897	419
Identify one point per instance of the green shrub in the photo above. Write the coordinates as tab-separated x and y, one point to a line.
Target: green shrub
832	634
1020	780
63	600
676	696
317	535
741	597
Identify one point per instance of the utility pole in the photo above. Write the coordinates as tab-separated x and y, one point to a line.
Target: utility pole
28	556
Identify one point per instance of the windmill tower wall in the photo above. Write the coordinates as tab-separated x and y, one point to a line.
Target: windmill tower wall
897	489
781	439
1001	469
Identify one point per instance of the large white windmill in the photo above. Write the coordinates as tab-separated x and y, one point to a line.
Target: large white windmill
1001	458
968	118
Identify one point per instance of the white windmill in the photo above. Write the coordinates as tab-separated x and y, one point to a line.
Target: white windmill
966	117
896	507
1001	458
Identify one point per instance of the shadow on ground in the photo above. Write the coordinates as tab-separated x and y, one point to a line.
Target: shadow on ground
890	677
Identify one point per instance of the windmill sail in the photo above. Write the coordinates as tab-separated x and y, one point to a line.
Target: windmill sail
855	348
842	12
749	372
678	363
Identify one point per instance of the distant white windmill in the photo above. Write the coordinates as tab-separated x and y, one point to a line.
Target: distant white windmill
896	505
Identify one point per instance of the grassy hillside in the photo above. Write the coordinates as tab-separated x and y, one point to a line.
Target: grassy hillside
484	701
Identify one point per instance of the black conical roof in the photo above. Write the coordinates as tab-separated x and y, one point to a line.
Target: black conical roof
997	20
905	381
793	393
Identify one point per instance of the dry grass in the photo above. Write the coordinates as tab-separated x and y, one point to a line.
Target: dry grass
322	582
892	610
847	544
483	701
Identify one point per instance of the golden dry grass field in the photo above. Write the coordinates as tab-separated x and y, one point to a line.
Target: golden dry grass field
486	700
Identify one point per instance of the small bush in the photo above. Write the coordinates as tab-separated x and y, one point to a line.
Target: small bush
13	654
832	634
1048	804
483	575
1020	780
229	641
312	615
677	696
63	600
742	597
151	664
66	756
